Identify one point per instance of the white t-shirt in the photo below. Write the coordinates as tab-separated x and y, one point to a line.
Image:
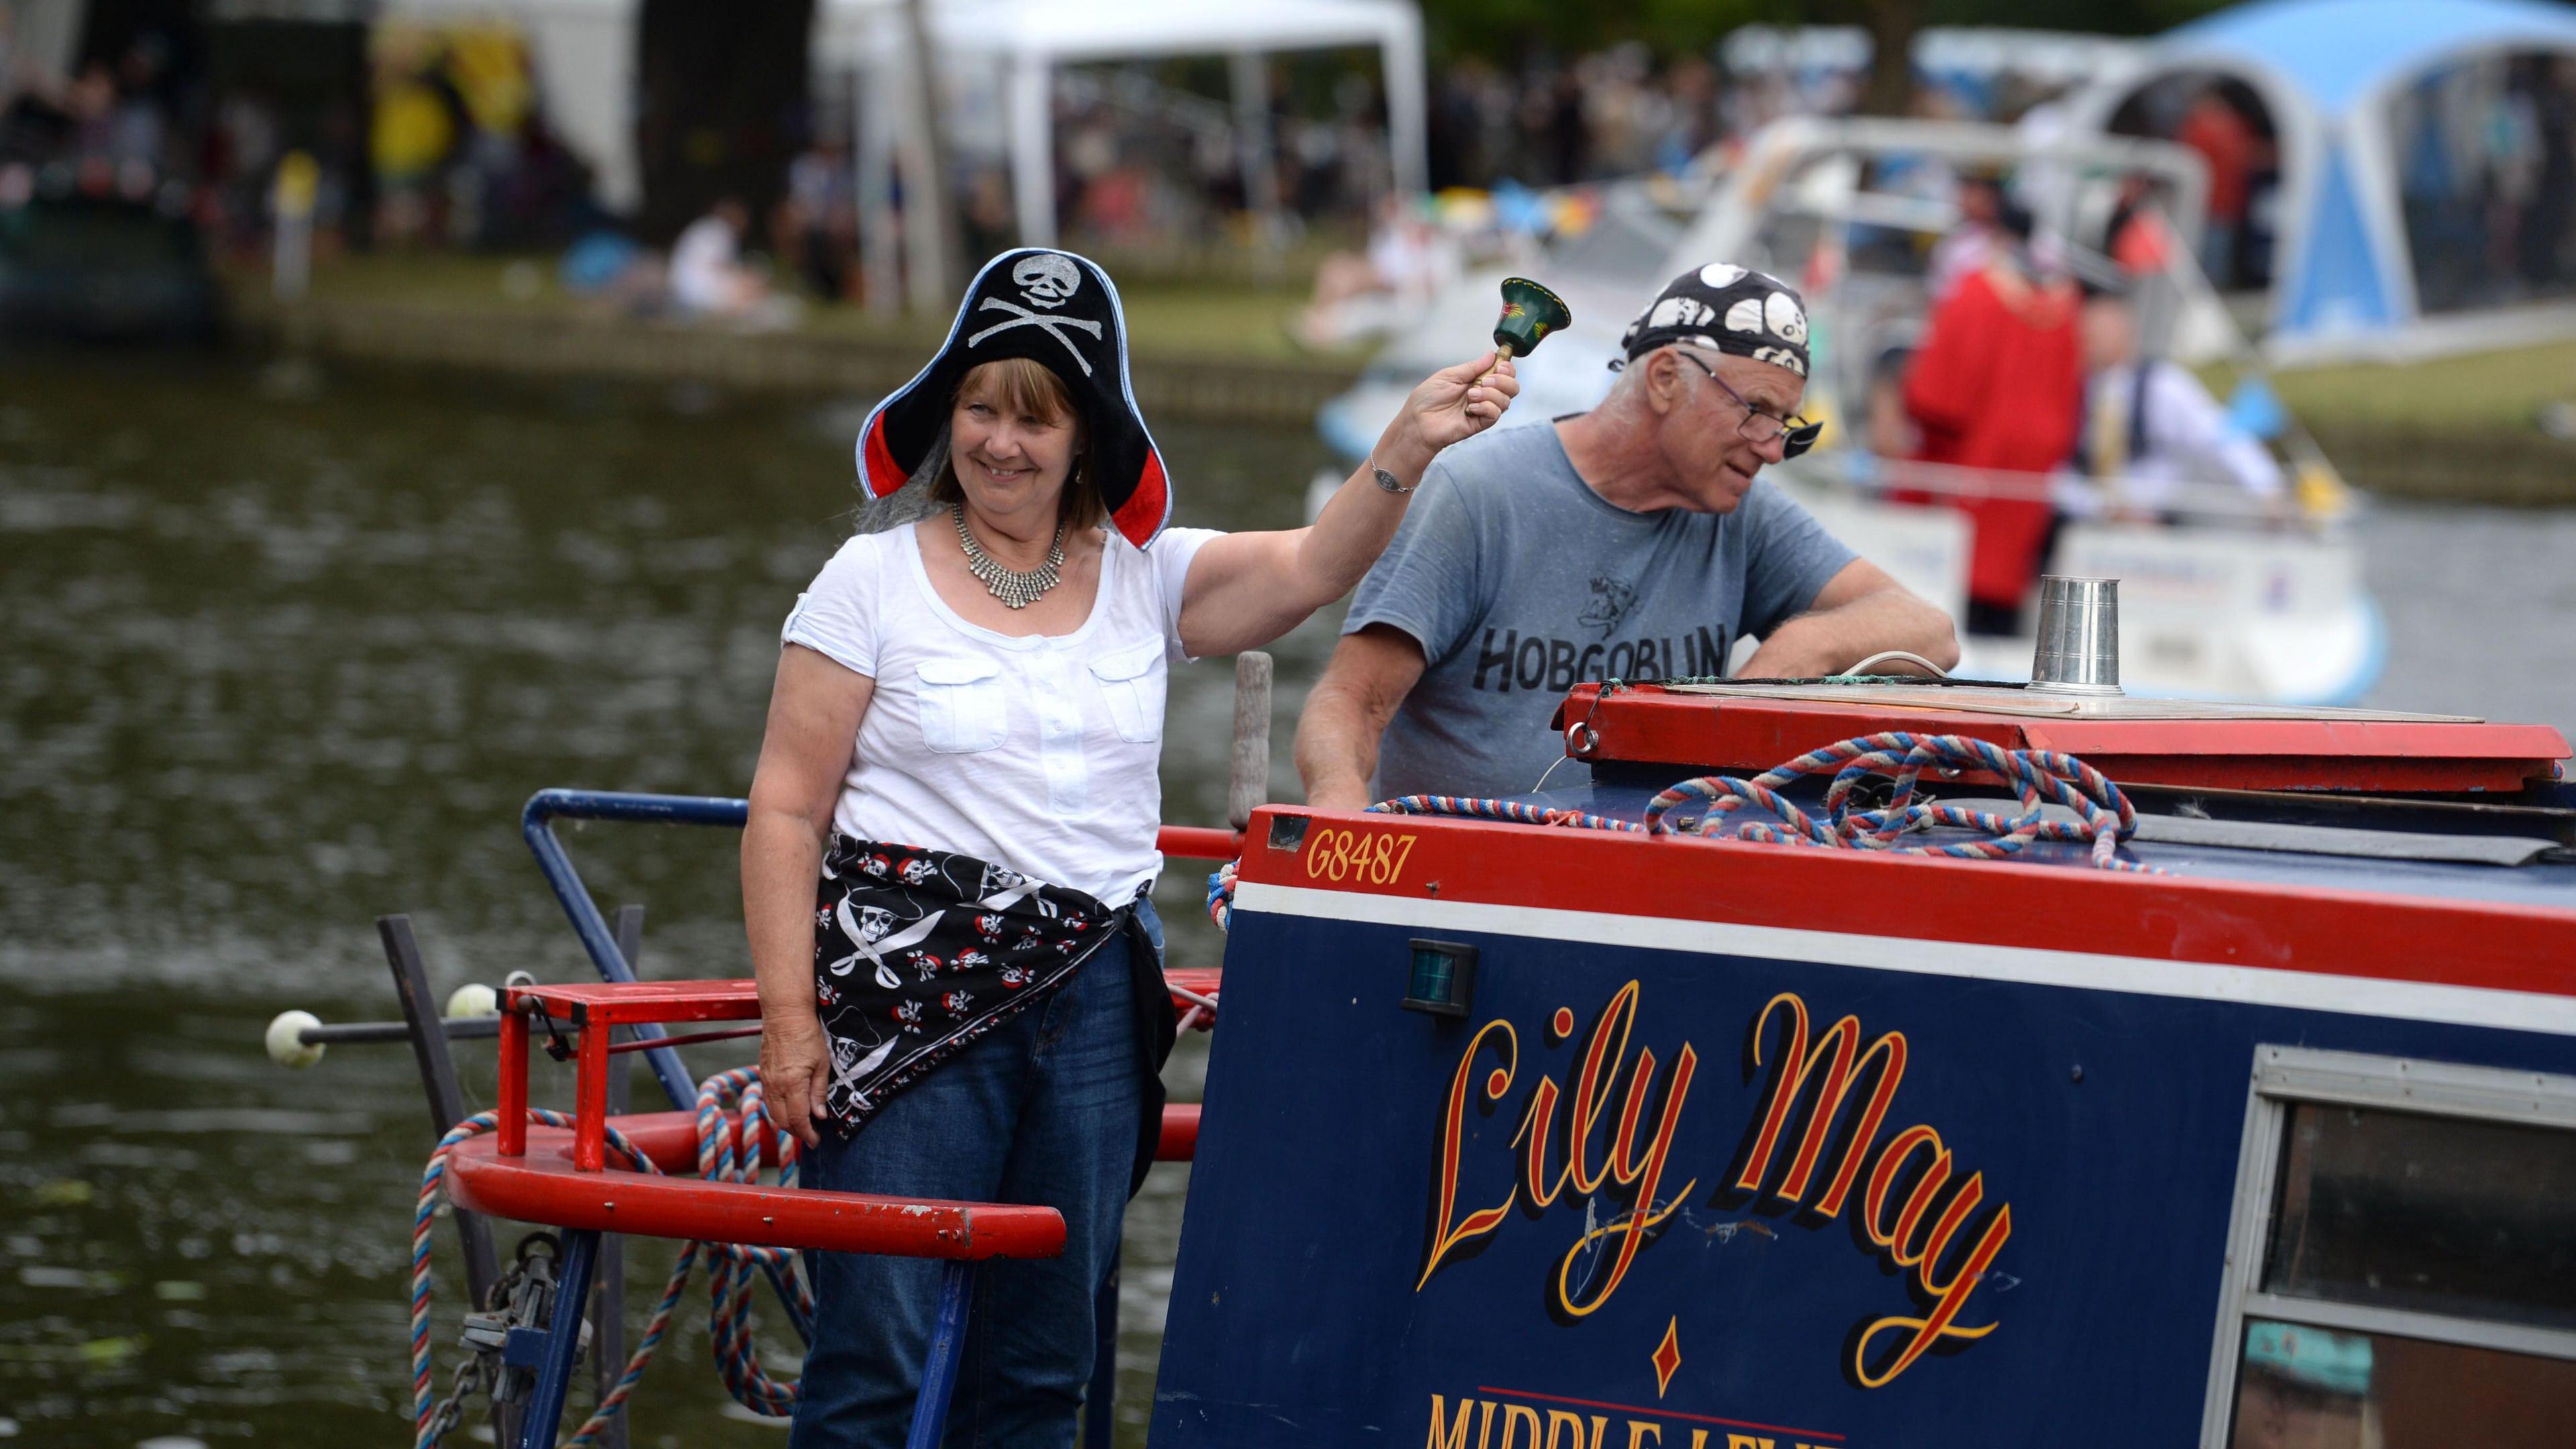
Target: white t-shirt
2188	439
1037	753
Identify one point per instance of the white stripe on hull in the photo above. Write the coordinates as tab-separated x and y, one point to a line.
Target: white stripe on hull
2303	990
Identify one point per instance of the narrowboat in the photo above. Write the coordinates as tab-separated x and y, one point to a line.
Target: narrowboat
1527	1131
1821	1064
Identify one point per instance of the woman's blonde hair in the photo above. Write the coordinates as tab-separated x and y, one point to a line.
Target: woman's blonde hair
1019	385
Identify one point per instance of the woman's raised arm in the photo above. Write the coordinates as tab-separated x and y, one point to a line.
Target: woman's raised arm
814	712
1246	589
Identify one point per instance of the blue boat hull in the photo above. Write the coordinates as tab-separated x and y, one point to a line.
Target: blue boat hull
2104	1128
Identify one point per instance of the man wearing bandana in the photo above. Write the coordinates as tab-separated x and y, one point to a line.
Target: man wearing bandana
1636	541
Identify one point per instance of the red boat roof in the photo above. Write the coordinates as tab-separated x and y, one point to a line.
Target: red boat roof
1748	728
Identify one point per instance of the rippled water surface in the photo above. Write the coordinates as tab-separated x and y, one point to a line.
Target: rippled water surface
281	652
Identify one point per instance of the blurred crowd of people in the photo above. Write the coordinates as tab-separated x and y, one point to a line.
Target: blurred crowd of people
459	145
106	131
1615	112
450	147
2487	168
439	138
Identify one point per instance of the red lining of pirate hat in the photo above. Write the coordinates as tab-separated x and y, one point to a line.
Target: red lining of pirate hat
1141	516
884	476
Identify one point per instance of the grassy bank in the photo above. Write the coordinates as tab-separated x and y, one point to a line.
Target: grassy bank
1183	319
1202	350
2460	429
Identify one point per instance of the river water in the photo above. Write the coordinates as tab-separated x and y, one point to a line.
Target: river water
282	650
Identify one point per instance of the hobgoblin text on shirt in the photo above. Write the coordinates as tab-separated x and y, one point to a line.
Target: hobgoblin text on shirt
1509	659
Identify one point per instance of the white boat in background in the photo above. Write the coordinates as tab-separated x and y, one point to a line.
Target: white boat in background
2221	596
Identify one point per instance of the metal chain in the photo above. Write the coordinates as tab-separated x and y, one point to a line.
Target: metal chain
474	1376
520	1297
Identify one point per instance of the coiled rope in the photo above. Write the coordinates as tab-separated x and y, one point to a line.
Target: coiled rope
2104	816
731	1144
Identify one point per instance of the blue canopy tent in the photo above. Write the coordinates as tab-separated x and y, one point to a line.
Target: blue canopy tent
2329	72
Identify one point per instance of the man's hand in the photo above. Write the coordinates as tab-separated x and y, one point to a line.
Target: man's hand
1346	793
1859	612
795	1068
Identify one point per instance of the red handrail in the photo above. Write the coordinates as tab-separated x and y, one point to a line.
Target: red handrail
544	1185
551	1175
1199	842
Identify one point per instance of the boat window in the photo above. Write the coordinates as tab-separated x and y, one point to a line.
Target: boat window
2433	1214
2322	1389
2401	1268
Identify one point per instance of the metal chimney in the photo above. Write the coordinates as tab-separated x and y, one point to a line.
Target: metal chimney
2078	651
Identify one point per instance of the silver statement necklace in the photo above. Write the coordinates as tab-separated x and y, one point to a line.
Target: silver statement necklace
1015	589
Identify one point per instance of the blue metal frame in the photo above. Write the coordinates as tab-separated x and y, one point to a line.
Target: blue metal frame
536	823
947	1348
544	1416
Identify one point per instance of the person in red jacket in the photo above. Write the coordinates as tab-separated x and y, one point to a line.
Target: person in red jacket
1998	384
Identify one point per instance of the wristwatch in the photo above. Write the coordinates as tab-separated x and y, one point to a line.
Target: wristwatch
1386	480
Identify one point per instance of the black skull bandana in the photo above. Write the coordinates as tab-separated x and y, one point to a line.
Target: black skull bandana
918	952
1729	309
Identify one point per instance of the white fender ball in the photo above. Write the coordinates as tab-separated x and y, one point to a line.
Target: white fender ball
284	1044
473	999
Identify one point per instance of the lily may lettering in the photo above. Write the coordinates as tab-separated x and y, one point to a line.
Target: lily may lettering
1919	1216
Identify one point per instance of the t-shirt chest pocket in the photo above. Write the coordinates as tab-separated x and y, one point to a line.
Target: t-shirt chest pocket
962	708
1132	685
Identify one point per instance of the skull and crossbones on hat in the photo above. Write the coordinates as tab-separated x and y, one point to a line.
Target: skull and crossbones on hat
1046	280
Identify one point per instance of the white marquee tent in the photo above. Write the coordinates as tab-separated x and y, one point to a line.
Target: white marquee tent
1011	48
585	58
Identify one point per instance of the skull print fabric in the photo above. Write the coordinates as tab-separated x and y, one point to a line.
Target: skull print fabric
1728	309
918	952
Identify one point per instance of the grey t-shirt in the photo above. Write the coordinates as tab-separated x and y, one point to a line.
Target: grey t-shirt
1518	581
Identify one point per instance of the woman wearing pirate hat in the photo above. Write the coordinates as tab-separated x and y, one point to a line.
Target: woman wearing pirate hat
983	676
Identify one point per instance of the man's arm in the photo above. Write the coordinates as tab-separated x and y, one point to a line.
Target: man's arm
2182	418
1337	735
1859	612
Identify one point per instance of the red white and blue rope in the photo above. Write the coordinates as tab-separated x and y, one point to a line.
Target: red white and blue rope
1487	809
731	1144
2040	778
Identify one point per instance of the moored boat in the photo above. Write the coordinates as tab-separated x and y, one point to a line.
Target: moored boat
1555	1121
1844	1062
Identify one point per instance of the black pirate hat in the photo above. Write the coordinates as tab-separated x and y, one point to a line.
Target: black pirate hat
1053	308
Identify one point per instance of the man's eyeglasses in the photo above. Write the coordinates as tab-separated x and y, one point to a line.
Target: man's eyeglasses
1760	427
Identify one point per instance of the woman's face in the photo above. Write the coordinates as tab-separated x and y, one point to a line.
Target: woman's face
1011	461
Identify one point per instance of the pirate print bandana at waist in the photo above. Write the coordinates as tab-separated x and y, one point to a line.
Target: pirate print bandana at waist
1056	309
1729	309
918	952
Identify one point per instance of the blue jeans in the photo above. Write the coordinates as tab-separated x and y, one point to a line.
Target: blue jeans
1041	1110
